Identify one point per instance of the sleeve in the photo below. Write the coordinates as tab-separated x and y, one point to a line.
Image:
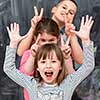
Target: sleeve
23	61
85	69
13	73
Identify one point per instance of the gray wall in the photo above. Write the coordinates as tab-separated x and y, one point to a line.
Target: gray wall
22	11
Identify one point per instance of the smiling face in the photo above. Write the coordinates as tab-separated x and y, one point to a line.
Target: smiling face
49	64
64	10
49	68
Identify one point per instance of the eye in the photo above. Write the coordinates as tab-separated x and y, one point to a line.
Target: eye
43	61
51	40
71	12
64	7
43	40
54	61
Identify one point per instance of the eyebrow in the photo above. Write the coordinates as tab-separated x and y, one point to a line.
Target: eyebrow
70	9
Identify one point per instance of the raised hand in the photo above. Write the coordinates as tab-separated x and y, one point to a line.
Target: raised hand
37	17
68	26
66	48
14	36
85	28
35	46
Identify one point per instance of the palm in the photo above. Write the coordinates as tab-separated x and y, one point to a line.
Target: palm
14	33
85	28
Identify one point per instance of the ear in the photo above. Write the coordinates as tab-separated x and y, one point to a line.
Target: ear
37	69
53	10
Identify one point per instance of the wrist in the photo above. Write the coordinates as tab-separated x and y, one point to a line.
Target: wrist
86	41
13	45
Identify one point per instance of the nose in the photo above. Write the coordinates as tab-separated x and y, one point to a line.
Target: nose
66	12
48	64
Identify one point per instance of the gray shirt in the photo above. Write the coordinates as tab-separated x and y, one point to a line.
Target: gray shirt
38	91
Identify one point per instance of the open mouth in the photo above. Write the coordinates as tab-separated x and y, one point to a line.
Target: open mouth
49	73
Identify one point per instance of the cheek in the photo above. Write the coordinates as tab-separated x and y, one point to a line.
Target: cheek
60	68
71	18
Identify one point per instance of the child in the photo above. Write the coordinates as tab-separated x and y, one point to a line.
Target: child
50	81
46	31
62	13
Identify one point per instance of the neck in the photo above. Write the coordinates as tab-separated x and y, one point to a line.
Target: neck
60	24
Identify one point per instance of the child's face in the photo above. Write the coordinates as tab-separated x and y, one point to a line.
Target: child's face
49	68
66	9
47	38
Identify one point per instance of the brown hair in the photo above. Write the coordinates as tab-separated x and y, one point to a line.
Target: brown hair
67	0
47	25
43	52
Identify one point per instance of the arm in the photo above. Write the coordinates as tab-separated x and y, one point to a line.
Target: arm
88	64
77	52
11	71
85	69
88	61
9	63
69	65
26	43
67	55
27	61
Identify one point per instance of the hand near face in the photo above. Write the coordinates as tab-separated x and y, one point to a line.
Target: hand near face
35	46
65	48
68	28
14	35
37	17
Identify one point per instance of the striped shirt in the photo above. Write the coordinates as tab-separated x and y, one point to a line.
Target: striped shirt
39	92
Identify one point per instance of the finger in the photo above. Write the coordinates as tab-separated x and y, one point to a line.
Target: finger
82	22
87	19
68	40
8	30
72	27
91	23
35	11
15	26
62	41
41	13
90	20
11	26
74	31
38	38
